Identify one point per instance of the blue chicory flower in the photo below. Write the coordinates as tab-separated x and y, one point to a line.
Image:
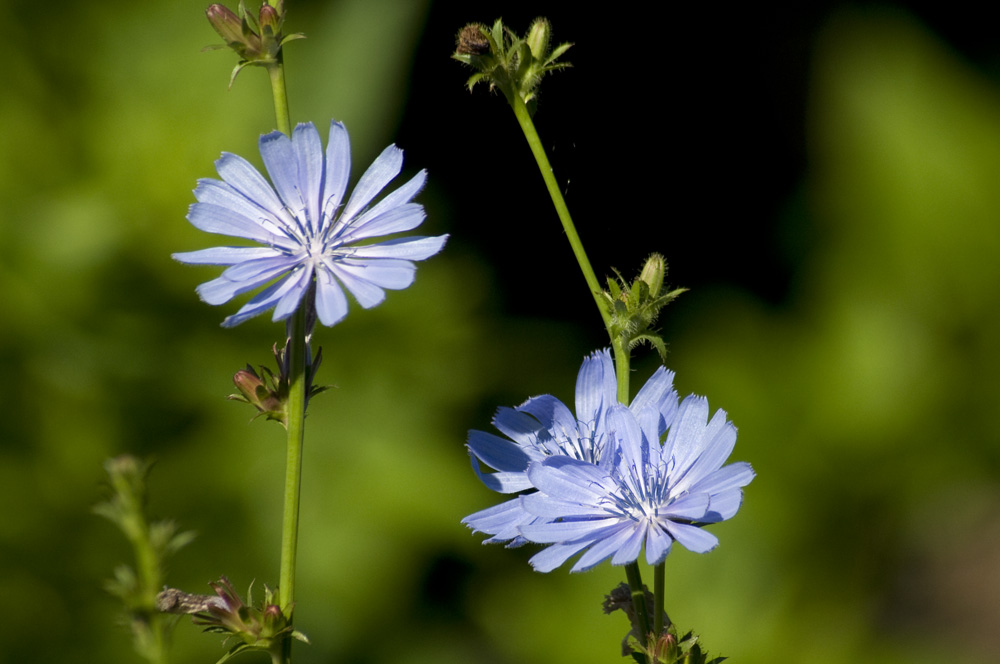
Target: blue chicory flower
543	426
653	493
306	228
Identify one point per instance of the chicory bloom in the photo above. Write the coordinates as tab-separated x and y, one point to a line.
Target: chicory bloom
543	426
307	231
652	494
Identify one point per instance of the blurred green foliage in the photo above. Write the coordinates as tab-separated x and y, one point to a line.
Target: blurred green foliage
866	402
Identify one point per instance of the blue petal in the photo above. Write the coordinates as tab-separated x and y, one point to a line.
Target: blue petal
733	476
569	531
248	181
711	459
390	273
497	452
224	255
519	427
279	158
370	223
331	303
694	464
565	478
549	509
213	218
624	543
220	193
259	303
502	521
553	415
385	167
366	293
690	507
596	387
223	289
298	286
262	269
397	220
552	557
338	170
309	155
658	393
634	454
723	506
692	538
684	441
658	543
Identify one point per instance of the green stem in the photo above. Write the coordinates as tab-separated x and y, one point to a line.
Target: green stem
638	599
147	561
660	618
622	355
296	410
535	143
281	115
293	460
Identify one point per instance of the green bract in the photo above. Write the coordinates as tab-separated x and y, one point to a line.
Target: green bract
634	308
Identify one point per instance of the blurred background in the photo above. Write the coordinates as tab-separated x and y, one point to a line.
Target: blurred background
823	179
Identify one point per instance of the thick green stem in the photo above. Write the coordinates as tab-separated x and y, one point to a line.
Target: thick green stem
281	116
660	618
296	410
293	458
638	598
293	469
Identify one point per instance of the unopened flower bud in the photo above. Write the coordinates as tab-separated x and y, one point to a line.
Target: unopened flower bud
264	394
270	20
226	23
538	38
652	274
257	39
274	619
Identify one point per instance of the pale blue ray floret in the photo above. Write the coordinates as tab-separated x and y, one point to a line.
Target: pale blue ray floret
306	228
543	426
651	494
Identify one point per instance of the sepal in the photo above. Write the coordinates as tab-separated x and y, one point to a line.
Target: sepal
634	307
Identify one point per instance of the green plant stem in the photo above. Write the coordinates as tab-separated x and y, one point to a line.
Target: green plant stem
638	598
281	116
660	618
147	562
621	353
293	459
296	410
535	143
622	357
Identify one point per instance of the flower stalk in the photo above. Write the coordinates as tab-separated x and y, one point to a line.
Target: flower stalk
621	352
295	408
515	66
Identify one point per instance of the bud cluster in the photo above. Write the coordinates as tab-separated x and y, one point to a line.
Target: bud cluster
513	64
256	628
634	307
256	39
